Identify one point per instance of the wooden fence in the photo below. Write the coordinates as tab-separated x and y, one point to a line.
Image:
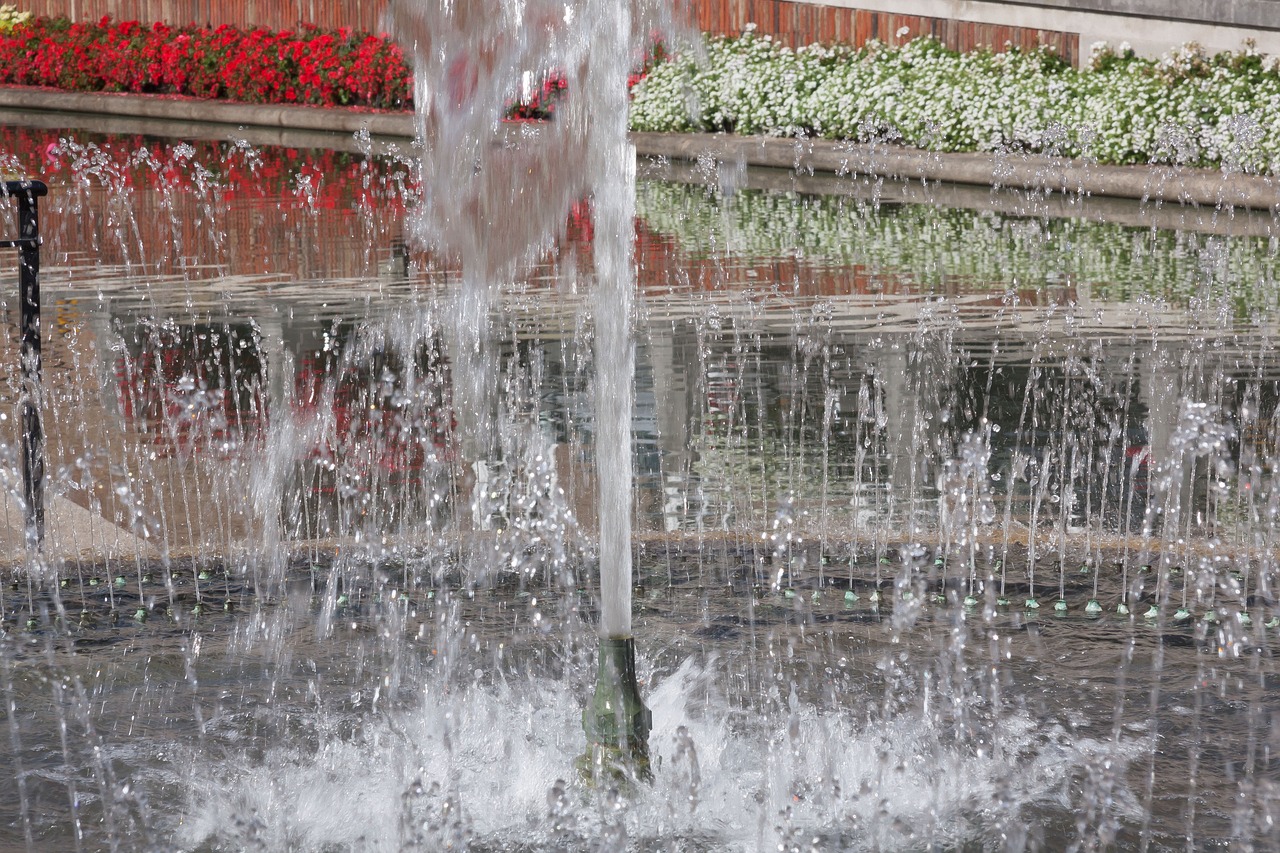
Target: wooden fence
795	23
805	23
273	14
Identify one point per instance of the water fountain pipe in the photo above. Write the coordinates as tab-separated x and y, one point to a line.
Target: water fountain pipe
26	193
616	721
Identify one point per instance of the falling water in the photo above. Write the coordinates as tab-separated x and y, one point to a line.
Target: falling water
496	203
613	160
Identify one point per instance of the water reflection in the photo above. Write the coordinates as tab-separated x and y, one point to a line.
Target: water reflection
738	417
825	355
860	428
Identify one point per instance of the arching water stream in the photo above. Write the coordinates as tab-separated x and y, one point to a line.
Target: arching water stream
867	434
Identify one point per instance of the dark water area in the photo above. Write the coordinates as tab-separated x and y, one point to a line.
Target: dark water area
954	525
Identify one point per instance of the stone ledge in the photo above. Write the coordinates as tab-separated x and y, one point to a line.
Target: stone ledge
170	108
1020	171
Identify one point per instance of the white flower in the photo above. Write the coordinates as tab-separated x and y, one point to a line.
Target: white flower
1188	107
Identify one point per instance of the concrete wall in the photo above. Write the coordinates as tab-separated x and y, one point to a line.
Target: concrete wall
1258	14
1152	27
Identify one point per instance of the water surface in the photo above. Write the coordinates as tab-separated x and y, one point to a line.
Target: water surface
868	431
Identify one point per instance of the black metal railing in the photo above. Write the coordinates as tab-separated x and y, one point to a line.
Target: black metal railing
27	194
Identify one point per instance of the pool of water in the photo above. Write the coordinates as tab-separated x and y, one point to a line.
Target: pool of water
954	519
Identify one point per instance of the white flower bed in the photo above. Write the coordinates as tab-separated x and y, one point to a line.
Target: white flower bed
1188	108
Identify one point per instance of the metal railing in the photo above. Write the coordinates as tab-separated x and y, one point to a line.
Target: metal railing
27	194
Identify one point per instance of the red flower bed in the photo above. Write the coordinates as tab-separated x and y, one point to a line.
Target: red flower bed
542	103
311	66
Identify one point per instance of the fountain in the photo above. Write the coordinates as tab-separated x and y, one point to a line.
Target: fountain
876	528
465	62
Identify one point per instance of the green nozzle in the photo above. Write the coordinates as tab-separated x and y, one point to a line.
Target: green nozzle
616	722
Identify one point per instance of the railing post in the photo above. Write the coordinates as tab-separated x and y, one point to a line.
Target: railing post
27	193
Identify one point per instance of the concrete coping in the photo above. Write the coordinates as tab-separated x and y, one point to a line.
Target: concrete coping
1163	183
1021	171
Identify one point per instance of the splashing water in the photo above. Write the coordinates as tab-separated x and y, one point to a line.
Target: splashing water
429	778
498	203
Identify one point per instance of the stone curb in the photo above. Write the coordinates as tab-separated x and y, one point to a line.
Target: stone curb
1022	171
215	112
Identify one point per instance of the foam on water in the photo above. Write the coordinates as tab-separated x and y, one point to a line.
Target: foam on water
491	767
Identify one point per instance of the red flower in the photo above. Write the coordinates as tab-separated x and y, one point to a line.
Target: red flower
312	65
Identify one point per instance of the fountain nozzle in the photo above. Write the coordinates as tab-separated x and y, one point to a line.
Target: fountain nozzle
616	721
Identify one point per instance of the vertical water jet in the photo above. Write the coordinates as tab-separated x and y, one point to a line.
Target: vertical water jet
496	203
616	721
